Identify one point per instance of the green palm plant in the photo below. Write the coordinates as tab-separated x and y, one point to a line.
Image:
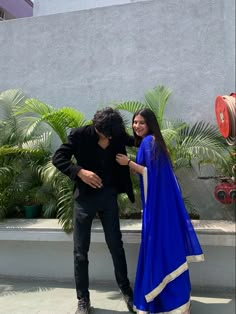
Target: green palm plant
61	187
20	156
9	129
14	152
154	99
200	142
27	126
8	187
186	143
40	114
35	115
18	179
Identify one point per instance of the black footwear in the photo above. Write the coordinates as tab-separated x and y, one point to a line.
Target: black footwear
128	298
83	306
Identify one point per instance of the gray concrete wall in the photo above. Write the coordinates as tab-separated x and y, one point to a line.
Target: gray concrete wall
45	7
92	58
229	42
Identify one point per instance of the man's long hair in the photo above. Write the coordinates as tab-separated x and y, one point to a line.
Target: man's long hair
109	122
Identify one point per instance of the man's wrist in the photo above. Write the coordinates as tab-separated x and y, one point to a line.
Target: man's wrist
129	160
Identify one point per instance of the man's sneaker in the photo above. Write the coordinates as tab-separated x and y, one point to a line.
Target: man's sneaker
128	298
83	306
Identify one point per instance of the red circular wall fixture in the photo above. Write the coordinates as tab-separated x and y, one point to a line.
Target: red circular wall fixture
222	116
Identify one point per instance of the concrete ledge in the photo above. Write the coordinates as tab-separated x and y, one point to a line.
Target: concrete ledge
210	232
39	248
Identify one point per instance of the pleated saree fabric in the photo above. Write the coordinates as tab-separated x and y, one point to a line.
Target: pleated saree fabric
168	241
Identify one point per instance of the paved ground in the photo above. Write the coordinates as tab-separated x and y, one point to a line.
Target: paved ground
42	297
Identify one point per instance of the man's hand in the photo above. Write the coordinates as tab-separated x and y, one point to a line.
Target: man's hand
90	178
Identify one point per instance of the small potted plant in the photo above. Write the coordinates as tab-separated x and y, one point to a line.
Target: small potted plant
31	205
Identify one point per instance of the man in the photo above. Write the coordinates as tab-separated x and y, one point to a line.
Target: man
98	180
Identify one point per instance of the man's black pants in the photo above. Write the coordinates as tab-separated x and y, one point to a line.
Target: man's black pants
103	202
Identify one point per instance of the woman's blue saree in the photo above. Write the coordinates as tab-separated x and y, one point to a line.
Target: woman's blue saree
168	241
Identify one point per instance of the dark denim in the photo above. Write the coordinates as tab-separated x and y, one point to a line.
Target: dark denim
103	202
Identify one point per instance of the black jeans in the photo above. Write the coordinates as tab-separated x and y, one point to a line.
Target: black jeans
103	202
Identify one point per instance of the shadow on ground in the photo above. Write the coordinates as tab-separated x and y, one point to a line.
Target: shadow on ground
11	287
56	297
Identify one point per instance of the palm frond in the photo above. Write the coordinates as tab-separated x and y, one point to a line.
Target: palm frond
41	142
10	134
65	206
6	172
201	141
51	176
156	100
10	99
60	188
169	135
35	106
202	128
50	209
130	106
177	125
73	117
60	120
63	119
191	208
29	126
14	150
182	162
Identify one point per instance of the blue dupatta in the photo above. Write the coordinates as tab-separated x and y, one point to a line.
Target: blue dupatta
168	242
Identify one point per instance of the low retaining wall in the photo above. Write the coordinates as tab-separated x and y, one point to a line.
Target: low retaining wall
39	248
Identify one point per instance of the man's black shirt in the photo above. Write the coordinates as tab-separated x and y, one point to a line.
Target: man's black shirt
82	143
104	170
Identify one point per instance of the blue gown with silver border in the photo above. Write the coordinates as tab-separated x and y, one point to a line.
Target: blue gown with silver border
168	241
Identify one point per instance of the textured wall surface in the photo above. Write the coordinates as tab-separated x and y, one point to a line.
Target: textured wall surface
45	7
91	58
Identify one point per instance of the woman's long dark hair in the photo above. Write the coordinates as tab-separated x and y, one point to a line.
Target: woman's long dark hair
153	129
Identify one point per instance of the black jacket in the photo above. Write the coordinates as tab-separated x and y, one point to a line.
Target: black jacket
81	143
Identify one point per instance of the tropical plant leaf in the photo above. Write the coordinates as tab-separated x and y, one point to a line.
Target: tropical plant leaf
29	126
191	208
39	113
14	97
9	99
156	100
65	206
130	106
6	171
33	105
201	141
10	150
41	142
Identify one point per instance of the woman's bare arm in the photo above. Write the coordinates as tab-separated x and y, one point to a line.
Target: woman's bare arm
124	160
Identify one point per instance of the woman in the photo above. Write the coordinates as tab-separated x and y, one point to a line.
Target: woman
168	241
